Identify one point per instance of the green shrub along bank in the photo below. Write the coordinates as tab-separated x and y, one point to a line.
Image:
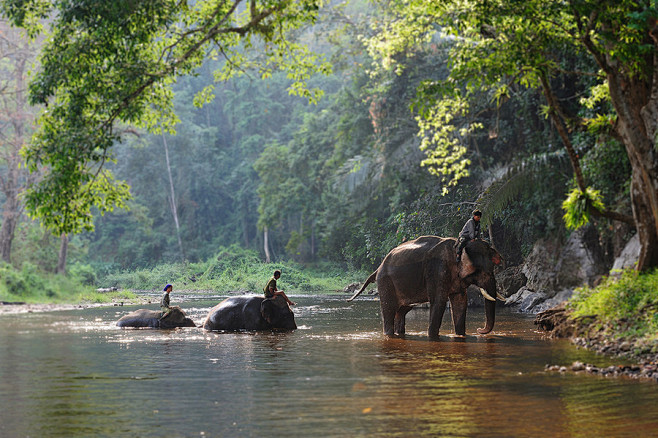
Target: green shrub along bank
30	285
236	269
619	308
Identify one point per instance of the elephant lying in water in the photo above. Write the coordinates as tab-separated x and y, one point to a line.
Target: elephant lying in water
250	313
151	318
425	269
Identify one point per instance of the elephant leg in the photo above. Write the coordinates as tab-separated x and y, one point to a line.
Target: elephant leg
458	304
388	319
437	309
400	319
389	304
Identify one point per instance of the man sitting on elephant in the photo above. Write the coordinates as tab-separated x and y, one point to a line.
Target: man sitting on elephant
164	302
470	231
271	291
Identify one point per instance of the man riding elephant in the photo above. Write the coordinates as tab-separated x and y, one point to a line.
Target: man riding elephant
470	231
165	308
424	269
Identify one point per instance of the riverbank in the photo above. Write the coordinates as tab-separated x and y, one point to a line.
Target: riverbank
14	307
17	308
606	338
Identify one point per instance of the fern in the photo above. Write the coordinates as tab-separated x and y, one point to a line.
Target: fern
578	205
518	178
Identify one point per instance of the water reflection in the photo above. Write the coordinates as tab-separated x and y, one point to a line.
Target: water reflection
76	374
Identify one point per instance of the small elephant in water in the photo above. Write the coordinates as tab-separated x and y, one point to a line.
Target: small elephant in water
250	313
425	269
151	318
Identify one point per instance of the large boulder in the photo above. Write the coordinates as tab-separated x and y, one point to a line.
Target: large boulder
539	266
629	255
553	272
582	260
509	281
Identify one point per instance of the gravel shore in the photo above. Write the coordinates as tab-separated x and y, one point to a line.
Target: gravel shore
644	353
15	308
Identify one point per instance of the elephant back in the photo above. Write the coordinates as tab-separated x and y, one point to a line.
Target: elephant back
176	318
151	318
251	313
140	318
419	250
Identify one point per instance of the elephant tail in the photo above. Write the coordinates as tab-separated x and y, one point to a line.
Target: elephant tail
370	279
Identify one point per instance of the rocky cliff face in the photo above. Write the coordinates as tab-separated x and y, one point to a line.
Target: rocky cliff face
552	272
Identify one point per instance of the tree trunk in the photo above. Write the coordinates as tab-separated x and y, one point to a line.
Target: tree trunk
634	95
558	118
63	250
266	245
629	102
174	211
13	111
313	240
11	210
245	223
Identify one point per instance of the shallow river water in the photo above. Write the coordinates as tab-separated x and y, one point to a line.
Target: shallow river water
74	373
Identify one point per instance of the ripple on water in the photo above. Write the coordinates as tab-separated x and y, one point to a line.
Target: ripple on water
77	374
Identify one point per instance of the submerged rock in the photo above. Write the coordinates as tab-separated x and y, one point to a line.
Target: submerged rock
646	371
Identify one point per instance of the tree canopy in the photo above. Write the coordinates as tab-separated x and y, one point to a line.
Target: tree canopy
110	65
507	102
501	44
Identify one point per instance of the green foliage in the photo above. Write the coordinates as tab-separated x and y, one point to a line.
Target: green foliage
82	273
338	180
624	306
578	206
113	63
235	270
498	48
607	168
31	285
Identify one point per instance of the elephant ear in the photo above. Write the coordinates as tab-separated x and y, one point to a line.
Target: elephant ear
497	259
466	266
267	310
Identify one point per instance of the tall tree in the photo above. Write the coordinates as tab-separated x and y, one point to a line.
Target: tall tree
112	63
172	197
17	53
502	42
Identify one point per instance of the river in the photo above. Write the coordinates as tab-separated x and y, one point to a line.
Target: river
75	374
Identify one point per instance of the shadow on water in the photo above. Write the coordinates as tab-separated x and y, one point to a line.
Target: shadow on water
75	373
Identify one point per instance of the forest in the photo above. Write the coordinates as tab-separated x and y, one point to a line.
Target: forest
323	134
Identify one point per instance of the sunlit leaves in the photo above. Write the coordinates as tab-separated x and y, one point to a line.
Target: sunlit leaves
578	206
442	139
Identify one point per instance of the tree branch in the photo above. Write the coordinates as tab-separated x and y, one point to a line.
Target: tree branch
557	117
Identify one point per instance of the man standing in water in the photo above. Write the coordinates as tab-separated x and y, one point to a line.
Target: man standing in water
470	231
164	303
271	291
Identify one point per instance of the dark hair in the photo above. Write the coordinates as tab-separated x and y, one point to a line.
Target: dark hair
277	273
477	213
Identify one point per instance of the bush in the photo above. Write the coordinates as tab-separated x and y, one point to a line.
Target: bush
236	269
85	274
33	286
627	304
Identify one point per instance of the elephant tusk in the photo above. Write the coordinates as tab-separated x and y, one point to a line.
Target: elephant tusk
486	295
500	297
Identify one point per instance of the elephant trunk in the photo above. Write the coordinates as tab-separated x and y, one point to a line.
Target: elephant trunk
490	313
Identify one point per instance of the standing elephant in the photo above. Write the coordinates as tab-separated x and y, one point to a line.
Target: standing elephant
151	318
425	269
250	313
